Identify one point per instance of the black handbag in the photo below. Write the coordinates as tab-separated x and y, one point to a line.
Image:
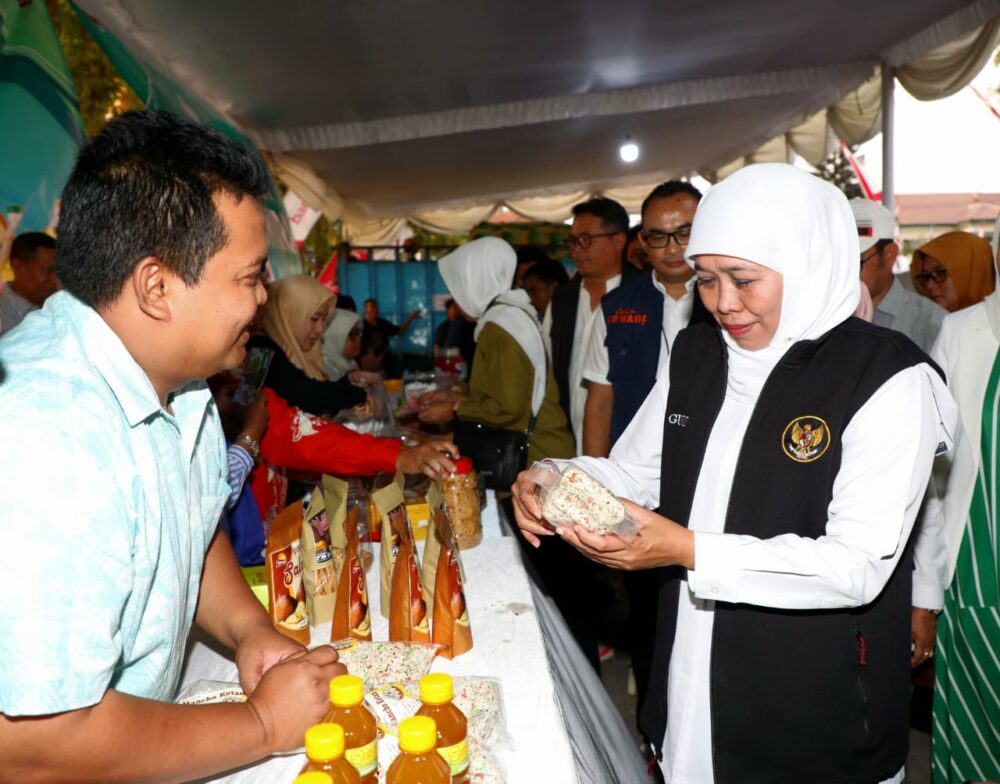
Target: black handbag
499	455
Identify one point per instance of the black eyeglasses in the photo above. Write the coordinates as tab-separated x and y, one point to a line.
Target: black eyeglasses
584	241
939	276
660	239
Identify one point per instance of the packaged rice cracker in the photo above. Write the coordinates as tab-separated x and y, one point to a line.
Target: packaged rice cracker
385	662
285	590
451	629
319	561
351	618
570	496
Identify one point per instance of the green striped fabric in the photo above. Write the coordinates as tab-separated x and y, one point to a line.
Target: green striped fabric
966	741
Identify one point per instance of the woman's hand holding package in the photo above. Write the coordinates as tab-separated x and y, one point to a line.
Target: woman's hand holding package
528	510
433	458
661	542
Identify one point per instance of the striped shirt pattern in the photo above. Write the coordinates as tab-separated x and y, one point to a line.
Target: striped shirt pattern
966	739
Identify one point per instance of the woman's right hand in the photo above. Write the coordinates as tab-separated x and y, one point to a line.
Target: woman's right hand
527	511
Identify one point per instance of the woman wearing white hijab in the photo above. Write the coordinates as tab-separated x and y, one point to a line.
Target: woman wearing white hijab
966	723
509	381
787	449
341	343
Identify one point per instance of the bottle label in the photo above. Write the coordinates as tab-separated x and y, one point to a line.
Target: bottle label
363	758
456	756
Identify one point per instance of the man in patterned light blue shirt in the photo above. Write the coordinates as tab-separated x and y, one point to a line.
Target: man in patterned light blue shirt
114	471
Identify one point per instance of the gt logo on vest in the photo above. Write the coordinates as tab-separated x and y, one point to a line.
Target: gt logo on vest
806	438
681	420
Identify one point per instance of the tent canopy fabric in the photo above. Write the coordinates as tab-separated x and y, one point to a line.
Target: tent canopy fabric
439	110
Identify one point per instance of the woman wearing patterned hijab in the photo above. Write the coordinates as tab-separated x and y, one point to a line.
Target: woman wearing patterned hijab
787	451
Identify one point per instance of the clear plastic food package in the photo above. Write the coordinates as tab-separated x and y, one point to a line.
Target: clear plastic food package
570	496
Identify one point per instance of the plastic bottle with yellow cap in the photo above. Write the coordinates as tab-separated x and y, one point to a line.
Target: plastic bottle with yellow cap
325	750
313	777
418	762
346	709
437	691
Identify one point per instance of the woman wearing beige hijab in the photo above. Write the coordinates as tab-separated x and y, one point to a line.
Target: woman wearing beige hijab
292	323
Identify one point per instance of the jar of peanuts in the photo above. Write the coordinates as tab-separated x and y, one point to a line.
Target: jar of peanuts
460	490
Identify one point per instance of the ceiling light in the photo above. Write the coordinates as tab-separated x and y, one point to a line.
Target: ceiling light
629	151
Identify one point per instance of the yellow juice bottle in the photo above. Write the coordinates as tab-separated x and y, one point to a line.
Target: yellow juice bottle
346	709
325	750
436	693
418	762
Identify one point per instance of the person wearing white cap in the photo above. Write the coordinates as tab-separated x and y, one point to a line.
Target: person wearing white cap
786	451
895	307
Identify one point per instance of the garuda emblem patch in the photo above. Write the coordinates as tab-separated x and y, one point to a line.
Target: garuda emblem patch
806	438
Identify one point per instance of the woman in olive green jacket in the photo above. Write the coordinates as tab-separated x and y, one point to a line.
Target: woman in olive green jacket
511	376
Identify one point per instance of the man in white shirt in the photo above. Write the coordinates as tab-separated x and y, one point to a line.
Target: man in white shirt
596	242
919	318
642	317
33	259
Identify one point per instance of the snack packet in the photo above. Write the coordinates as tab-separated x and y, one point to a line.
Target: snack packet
211	693
451	628
351	616
386	495
407	611
481	700
432	545
570	496
385	662
286	595
319	561
484	768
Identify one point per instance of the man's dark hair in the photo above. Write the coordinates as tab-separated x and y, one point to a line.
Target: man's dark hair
531	254
670	188
548	271
633	234
448	303
612	214
27	244
144	186
371	300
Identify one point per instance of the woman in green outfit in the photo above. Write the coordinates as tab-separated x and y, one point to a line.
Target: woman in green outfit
966	739
511	377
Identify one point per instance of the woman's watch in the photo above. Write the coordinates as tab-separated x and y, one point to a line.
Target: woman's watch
249	444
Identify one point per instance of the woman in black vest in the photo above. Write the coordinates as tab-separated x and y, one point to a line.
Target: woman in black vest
787	452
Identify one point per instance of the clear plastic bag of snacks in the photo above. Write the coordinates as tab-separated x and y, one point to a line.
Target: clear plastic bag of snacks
386	662
570	496
211	693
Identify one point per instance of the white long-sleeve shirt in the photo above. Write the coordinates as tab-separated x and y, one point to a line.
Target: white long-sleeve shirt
887	452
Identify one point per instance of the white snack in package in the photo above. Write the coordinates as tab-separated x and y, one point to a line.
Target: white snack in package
570	496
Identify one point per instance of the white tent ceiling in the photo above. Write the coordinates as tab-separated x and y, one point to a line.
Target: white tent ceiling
402	107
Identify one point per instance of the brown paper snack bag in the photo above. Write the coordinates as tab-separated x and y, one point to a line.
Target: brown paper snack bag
386	497
319	561
351	618
452	630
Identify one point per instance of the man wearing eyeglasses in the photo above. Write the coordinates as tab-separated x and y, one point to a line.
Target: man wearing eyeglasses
640	320
596	242
895	307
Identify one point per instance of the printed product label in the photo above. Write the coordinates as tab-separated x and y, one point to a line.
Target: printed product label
363	758
456	756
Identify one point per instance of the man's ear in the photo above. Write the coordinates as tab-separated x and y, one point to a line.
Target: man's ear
620	240
890	254
151	283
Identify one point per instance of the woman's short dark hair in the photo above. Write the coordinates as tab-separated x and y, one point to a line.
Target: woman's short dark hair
144	186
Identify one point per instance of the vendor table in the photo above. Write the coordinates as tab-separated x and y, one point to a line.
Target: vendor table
564	725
